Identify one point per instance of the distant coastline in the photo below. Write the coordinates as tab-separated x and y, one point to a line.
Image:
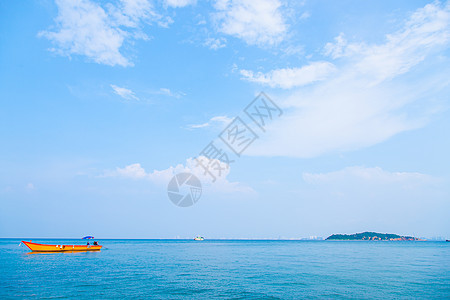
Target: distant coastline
372	236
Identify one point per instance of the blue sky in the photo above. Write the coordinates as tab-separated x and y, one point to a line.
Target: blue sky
102	102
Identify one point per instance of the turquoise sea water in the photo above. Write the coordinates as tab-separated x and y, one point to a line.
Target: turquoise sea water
181	269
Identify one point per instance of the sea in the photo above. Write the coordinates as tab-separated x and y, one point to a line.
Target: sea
230	269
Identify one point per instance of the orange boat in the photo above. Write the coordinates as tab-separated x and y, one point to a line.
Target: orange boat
60	248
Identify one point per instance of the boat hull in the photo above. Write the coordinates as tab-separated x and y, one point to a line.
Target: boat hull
60	248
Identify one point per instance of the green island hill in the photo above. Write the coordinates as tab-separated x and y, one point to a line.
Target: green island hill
371	236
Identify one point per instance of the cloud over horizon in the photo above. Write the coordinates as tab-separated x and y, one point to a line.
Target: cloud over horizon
162	177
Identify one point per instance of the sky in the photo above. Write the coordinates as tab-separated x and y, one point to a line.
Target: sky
103	102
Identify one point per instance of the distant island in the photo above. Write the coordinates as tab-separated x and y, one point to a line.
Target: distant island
371	236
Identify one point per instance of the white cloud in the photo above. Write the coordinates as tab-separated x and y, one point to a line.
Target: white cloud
85	28
179	3
255	22
131	171
166	91
131	13
294	50
217	120
162	177
336	49
215	44
30	186
291	77
170	93
305	15
374	175
366	101
124	93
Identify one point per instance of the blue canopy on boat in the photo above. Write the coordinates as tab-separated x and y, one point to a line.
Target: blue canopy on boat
88	237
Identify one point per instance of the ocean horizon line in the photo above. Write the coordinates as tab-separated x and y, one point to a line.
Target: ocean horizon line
214	239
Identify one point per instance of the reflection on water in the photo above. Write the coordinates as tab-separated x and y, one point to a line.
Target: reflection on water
61	252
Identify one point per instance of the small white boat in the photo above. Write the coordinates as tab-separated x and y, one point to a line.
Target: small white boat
199	238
